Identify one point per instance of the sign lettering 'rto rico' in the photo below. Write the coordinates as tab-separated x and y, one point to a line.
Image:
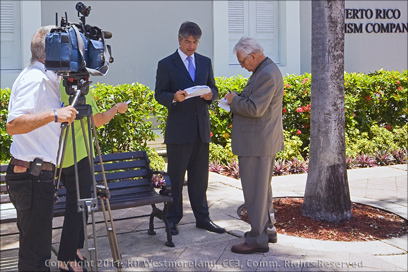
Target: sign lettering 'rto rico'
378	25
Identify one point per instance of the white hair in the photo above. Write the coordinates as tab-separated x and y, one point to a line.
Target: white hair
248	45
38	43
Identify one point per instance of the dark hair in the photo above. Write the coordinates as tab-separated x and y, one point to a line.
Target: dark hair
188	29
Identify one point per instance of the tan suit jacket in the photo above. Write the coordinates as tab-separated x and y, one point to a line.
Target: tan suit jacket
257	128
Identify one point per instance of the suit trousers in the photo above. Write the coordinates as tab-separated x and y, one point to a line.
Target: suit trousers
33	198
193	157
72	236
256	176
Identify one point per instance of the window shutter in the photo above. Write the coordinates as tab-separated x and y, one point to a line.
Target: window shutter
236	17
265	14
237	26
10	35
258	19
266	30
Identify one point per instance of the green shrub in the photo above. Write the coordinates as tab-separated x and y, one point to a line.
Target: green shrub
382	139
379	97
156	161
293	148
5	140
220	119
375	109
221	154
133	129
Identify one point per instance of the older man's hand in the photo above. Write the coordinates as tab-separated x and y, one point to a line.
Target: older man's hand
229	97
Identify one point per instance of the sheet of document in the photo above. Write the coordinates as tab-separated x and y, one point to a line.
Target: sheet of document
223	104
197	91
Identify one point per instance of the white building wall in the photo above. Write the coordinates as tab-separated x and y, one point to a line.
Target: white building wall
143	32
146	31
364	52
30	21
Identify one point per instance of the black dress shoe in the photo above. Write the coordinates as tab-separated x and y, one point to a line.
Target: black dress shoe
82	263
69	268
210	226
173	229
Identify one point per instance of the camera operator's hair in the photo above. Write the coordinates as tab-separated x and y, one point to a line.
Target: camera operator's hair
188	29
248	45
38	43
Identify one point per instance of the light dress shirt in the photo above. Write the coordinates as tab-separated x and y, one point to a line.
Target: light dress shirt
184	58
35	90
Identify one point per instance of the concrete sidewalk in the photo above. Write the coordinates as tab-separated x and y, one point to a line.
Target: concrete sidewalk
200	250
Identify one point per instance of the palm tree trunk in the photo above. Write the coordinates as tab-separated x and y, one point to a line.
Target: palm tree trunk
327	195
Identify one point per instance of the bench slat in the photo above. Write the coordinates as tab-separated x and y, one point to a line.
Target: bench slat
117	176
121	156
121	165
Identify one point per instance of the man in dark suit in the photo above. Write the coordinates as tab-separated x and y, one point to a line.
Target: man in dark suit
187	134
256	136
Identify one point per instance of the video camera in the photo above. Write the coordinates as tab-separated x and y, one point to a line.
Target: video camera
77	47
75	51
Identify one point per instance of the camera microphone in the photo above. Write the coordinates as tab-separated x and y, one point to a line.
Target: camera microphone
107	34
81	8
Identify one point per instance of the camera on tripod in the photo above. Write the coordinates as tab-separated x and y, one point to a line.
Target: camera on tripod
77	48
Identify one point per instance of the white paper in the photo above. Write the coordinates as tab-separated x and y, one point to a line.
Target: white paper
197	91
223	104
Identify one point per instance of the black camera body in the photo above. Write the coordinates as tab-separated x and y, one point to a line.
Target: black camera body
78	48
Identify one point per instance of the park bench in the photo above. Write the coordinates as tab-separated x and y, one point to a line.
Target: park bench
130	182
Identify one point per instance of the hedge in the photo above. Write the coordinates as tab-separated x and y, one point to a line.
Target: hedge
375	108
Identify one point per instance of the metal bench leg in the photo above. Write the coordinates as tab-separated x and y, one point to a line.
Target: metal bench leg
161	215
151	223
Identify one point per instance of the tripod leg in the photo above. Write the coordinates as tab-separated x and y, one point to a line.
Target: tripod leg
117	258
93	251
113	242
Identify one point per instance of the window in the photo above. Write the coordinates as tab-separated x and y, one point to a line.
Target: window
10	35
258	19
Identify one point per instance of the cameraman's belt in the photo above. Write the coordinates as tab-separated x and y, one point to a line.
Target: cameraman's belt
46	166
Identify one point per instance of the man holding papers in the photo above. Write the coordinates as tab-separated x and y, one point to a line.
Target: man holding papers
257	135
187	134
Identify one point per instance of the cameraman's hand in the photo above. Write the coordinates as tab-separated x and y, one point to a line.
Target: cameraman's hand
180	96
66	114
121	107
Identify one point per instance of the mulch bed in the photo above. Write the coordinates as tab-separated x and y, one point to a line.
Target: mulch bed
368	223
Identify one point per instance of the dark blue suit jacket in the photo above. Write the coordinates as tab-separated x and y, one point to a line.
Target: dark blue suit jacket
190	118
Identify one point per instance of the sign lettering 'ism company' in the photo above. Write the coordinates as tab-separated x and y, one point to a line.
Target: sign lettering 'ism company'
374	27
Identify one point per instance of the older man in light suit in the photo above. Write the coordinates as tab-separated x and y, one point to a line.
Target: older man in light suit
257	135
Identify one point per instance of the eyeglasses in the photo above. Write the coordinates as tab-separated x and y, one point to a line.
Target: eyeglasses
242	62
190	42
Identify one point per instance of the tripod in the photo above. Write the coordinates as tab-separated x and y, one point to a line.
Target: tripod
77	87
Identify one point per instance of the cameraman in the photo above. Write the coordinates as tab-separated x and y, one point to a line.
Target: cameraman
72	236
34	113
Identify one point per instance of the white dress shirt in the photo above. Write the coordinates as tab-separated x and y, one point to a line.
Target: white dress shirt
184	58
35	90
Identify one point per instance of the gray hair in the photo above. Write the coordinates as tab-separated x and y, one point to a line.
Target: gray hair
188	29
248	45
38	43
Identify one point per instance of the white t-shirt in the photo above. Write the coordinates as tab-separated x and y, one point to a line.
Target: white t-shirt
35	90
